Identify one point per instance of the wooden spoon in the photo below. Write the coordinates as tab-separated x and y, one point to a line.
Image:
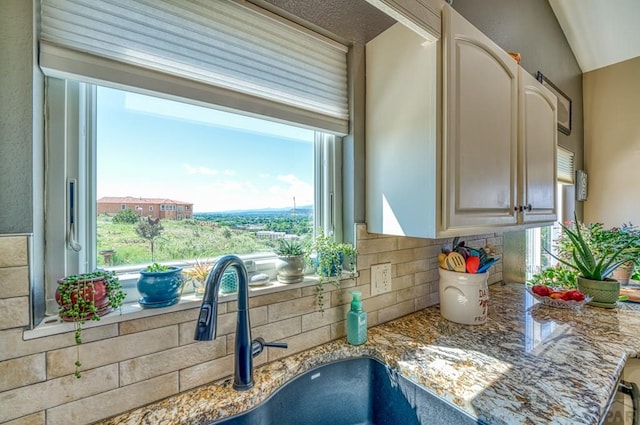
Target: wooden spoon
455	262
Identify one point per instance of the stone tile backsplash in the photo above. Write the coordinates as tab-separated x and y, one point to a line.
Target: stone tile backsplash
133	363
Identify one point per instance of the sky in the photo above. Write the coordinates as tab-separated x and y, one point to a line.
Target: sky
157	148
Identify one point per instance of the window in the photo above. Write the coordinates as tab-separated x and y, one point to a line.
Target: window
150	208
541	239
243	174
123	207
278	69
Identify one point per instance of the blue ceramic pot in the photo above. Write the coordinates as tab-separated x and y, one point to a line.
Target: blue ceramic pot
160	289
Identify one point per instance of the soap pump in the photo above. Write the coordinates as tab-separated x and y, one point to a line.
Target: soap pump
356	321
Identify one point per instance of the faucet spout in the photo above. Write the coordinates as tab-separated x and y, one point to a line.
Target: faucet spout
207	319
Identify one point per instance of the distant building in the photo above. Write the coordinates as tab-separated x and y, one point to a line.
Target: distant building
166	209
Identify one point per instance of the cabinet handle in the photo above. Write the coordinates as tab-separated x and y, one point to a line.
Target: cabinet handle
528	207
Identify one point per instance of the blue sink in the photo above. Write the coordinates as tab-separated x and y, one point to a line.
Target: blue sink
359	391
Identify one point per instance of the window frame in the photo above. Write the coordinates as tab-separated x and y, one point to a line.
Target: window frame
71	155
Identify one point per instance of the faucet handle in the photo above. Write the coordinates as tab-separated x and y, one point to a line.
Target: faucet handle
258	344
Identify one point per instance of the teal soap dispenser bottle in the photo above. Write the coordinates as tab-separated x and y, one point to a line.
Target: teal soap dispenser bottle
356	321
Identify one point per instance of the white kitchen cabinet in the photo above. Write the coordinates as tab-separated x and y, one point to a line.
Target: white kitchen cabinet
480	138
431	174
538	149
447	152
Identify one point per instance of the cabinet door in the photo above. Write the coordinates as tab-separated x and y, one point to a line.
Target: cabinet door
480	100
538	141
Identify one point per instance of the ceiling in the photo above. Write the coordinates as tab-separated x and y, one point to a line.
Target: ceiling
600	32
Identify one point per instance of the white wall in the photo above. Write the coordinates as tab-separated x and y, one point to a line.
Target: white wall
612	143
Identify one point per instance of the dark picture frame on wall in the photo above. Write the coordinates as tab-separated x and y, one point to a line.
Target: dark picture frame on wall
564	104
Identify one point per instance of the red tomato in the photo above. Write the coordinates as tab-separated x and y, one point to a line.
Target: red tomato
541	290
577	296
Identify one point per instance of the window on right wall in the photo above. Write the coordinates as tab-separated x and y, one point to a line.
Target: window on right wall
543	238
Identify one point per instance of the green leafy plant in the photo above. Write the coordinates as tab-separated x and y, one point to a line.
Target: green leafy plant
592	261
289	247
156	267
328	261
78	297
558	276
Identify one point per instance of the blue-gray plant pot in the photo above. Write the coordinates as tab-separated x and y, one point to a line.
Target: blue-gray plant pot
160	289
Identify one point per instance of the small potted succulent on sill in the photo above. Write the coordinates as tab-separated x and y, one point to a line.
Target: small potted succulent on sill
159	285
594	264
87	296
291	263
328	259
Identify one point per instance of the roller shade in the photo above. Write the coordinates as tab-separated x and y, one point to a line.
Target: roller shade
565	166
241	56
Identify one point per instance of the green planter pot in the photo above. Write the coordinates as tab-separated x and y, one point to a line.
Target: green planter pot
604	293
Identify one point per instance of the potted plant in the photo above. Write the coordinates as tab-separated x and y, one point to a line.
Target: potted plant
594	264
290	264
198	274
603	241
328	260
159	285
617	237
87	296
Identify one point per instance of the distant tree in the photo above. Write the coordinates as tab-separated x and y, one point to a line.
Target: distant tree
126	216
150	229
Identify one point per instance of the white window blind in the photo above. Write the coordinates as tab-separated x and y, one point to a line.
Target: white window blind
565	166
216	51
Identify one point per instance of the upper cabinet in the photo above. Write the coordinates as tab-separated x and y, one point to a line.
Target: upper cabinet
456	143
538	137
480	137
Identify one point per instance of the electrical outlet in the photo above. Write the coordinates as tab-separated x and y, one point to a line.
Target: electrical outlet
380	279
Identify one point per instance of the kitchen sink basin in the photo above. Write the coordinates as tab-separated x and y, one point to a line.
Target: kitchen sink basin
359	391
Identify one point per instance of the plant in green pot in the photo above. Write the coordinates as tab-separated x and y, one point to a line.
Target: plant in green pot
87	296
594	264
329	259
290	264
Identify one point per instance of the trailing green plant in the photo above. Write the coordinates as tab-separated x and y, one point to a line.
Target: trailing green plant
289	247
557	276
77	295
594	262
329	260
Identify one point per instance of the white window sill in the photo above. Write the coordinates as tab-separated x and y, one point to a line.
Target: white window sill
52	325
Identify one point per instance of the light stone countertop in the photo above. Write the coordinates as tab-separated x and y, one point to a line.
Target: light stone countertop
529	364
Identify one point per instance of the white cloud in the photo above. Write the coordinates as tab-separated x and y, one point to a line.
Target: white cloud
229	172
201	170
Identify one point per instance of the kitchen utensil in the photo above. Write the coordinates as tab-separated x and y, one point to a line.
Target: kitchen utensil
455	262
484	267
472	264
441	260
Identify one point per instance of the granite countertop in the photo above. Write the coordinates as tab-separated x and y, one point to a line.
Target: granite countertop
529	364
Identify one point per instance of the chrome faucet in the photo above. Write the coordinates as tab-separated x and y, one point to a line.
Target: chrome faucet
245	349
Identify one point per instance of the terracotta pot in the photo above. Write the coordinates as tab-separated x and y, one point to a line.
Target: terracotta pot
623	273
87	289
604	293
